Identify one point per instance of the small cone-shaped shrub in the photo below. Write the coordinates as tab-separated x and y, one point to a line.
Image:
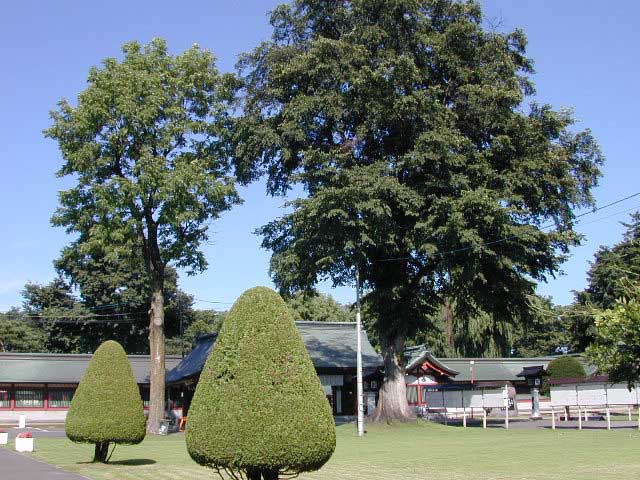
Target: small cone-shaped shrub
565	367
259	408
106	407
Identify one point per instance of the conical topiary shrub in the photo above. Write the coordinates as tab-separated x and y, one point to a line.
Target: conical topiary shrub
562	367
259	408
107	407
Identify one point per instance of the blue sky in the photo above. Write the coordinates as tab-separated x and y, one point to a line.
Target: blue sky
585	54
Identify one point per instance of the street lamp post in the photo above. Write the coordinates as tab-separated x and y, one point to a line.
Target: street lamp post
360	390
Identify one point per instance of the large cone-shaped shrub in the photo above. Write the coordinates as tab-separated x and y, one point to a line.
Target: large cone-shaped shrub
106	407
259	407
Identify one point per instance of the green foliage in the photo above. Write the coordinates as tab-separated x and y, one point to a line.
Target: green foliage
259	405
116	285
146	144
407	126
582	328
199	322
608	280
612	267
106	406
315	307
545	333
450	333
565	367
18	334
616	350
562	367
58	315
56	295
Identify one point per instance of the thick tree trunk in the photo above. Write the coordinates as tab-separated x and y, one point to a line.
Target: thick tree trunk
392	401
100	452
270	474
254	474
447	313
156	347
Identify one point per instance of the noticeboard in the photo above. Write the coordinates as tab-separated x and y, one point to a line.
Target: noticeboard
472	399
591	394
433	399
619	394
564	395
493	398
452	398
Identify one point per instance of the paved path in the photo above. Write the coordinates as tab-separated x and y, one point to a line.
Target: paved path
15	466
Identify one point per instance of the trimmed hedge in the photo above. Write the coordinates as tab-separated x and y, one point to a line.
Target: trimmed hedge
106	407
259	407
565	367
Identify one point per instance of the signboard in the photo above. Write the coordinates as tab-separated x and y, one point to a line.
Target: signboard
452	398
472	398
433	399
619	394
591	394
493	398
564	395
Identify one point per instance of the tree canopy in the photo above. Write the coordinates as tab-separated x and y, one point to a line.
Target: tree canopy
146	145
20	335
612	266
608	279
317	307
616	348
406	124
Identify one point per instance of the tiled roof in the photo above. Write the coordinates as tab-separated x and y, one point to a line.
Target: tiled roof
329	344
489	369
63	368
484	369
419	355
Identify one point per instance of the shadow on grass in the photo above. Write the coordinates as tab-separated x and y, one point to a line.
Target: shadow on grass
133	462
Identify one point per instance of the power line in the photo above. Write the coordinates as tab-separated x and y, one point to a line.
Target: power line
610	216
70	315
514	237
120	318
211	301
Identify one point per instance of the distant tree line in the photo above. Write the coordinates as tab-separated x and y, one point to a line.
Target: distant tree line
55	318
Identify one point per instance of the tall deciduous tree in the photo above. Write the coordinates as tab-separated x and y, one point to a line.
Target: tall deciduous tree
146	144
404	121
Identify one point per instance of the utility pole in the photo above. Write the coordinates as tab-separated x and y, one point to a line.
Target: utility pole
181	324
360	390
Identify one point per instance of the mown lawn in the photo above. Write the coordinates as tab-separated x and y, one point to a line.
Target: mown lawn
420	451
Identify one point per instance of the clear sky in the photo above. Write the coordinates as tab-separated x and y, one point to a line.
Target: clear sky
586	56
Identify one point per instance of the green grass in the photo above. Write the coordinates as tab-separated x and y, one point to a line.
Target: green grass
420	451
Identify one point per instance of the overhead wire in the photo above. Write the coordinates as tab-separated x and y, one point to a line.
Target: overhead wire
514	237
